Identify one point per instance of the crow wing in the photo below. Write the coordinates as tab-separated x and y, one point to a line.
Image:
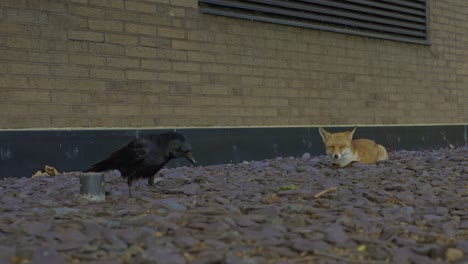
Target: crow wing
130	155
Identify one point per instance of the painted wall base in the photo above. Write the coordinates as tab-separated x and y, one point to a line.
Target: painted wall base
23	152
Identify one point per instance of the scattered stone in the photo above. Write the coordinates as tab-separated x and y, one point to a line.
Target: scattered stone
411	209
453	254
47	255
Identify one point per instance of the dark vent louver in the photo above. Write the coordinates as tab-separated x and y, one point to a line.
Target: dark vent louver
401	20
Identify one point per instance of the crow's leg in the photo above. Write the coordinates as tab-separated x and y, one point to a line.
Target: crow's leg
151	180
129	182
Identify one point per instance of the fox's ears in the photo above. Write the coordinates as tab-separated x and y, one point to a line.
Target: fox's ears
351	133
324	134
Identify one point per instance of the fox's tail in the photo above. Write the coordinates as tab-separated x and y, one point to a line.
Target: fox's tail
382	155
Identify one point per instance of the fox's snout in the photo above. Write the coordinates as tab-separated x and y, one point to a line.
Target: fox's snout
335	155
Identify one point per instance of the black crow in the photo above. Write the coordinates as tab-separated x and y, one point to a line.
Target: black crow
144	157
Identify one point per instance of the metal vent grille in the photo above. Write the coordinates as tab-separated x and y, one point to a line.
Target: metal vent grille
400	20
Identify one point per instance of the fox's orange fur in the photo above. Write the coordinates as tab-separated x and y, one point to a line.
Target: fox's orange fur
342	149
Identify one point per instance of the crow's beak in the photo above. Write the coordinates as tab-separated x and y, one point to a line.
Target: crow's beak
190	158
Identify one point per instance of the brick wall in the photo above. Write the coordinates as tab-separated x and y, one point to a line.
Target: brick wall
161	63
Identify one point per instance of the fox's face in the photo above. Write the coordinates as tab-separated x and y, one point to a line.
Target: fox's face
338	145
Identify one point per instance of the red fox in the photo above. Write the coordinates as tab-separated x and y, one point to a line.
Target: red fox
342	149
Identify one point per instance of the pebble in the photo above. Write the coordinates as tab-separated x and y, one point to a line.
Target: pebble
454	254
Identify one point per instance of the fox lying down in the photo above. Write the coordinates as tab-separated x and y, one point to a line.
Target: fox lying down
342	149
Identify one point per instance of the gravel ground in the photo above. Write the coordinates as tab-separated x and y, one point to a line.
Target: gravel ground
410	209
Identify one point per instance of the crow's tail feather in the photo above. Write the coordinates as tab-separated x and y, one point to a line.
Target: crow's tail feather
104	165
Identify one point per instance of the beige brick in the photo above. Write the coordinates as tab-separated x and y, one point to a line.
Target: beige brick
27	43
31	69
103	98
16	96
60	121
3	68
247	80
155	19
67	21
143	99
185	3
86	11
47	5
171	32
156	64
158	110
38	82
13	109
175	99
122	62
12	55
73	71
124	15
123	39
105	25
141	75
172	77
105	73
70	46
172	54
108	3
214	68
89	110
158	42
124	110
140	6
106	48
200	35
185	45
159	1
194	78
13	3
87	60
16	121
140	29
253	101
211	89
186	66
125	86
138	121
174	12
26	16
200	56
216	100
85	85
153	87
172	121
11	81
11	28
144	52
65	97
86	35
47	57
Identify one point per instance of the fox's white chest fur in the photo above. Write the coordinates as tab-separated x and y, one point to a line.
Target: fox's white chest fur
345	158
